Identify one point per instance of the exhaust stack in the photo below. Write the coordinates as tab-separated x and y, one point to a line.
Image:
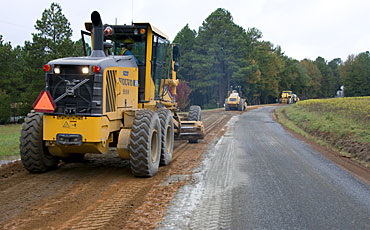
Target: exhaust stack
98	35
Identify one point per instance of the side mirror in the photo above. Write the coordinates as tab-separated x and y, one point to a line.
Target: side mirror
176	57
176	66
175	53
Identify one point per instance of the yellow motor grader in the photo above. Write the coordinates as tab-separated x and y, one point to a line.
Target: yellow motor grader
109	99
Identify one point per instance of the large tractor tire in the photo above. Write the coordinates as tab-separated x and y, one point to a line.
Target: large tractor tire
195	114
34	155
167	131
145	143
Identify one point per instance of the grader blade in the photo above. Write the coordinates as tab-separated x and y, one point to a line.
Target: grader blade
192	130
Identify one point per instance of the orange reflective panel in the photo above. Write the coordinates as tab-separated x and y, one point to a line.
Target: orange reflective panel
44	103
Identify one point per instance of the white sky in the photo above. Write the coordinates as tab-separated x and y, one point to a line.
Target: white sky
303	28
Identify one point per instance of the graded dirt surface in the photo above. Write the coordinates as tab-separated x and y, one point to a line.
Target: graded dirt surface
100	193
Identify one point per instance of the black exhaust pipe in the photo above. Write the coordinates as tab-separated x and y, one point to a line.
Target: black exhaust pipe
98	35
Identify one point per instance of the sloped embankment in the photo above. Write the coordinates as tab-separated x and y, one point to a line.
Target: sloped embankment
342	123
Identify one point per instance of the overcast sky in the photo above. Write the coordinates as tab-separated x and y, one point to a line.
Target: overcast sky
304	29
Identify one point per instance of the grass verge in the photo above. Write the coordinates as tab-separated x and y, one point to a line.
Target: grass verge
9	141
341	124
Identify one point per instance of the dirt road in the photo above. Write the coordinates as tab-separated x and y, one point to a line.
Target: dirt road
99	193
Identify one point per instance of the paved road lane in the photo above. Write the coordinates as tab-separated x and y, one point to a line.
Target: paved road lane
290	185
258	176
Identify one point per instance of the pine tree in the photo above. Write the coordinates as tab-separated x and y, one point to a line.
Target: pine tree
220	48
356	75
7	61
53	40
54	33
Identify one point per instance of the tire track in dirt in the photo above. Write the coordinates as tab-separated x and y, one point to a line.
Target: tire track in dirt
99	214
183	165
67	201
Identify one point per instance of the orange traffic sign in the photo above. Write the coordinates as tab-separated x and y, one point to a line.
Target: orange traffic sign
44	103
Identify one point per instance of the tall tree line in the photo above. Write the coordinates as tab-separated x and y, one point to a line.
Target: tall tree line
222	54
219	55
21	68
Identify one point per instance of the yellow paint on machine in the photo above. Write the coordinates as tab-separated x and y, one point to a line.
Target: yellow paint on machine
92	129
120	90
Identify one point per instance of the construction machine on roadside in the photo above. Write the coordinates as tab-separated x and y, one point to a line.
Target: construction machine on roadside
234	101
110	99
287	97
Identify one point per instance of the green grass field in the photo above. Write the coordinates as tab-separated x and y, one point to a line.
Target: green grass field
341	123
9	140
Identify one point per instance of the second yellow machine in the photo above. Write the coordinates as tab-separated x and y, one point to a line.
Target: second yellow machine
287	97
122	95
234	101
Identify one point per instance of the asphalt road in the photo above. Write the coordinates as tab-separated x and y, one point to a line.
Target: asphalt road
258	176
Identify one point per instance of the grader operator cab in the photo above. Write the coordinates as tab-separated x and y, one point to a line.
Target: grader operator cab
234	101
110	99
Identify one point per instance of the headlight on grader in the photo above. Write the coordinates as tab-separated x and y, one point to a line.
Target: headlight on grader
85	70
56	70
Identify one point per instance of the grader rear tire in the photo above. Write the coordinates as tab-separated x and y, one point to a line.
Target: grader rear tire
145	143
167	130
34	155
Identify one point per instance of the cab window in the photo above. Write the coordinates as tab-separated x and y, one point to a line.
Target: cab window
86	41
138	46
158	61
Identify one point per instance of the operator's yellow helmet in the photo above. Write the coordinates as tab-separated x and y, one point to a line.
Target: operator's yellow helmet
128	41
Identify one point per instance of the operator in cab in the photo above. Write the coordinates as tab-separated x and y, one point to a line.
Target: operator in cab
128	45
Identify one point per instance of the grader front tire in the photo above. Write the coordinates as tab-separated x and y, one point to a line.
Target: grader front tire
34	155
145	143
167	130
